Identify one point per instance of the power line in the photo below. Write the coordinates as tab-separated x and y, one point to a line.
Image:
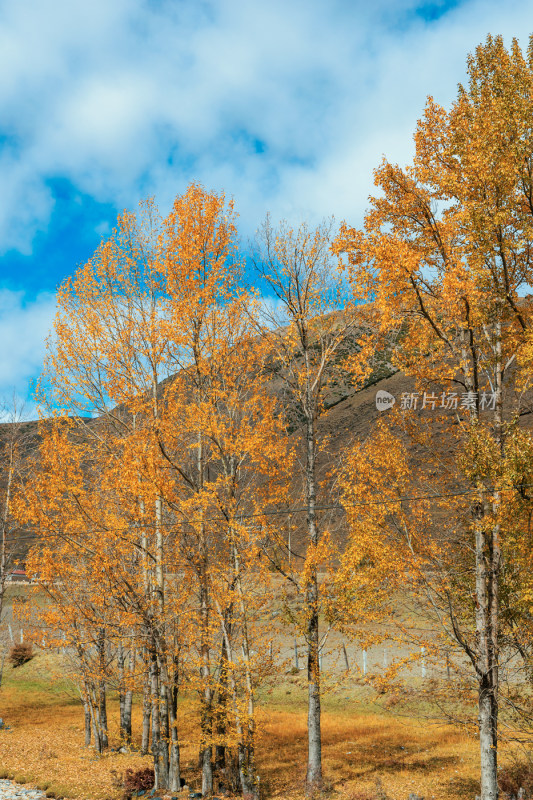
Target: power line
278	512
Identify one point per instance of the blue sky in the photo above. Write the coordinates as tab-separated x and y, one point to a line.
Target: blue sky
286	105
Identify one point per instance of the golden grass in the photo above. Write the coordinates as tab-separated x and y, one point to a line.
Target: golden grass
45	747
436	762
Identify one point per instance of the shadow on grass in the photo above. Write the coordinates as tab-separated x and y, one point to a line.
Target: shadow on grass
352	752
467	787
418	766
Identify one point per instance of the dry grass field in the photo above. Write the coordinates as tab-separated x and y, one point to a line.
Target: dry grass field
362	743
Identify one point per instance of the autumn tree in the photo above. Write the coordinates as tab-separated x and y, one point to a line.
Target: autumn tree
317	341
108	358
155	338
218	407
446	255
74	561
218	435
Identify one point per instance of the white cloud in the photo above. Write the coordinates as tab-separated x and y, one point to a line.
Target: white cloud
24	326
136	97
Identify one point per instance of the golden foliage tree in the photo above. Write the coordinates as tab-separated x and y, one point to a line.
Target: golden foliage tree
446	255
157	495
317	342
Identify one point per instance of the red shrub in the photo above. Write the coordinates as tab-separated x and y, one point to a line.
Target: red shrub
516	777
138	780
21	653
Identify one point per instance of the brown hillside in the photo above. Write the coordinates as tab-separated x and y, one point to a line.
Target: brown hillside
349	416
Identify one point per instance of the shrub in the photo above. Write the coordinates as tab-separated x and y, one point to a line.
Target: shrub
21	653
515	777
138	780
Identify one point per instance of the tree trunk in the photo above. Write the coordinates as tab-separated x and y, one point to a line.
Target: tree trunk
3	660
175	774
95	720
247	763
206	718
102	714
488	750
121	659
314	761
147	713
147	702
156	730
487	666
87	715
314	734
221	709
128	698
206	695
102	695
245	754
488	564
164	714
96	731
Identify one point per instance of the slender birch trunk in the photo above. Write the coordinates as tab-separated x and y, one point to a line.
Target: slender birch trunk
487	699
102	693
164	721
156	722
96	723
247	746
147	712
96	728
175	773
160	645
128	697
206	695
147	693
221	709
487	559
241	737
121	660
206	698
314	758
87	715
488	564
